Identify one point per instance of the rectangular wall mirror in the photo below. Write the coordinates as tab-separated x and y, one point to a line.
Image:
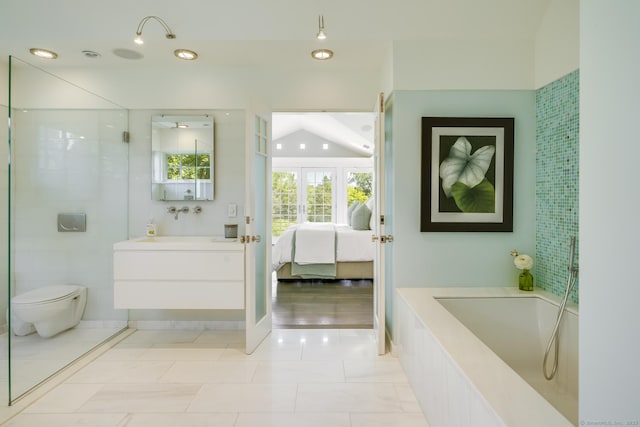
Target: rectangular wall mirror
182	157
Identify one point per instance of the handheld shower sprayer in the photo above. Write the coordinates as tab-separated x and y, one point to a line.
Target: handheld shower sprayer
571	280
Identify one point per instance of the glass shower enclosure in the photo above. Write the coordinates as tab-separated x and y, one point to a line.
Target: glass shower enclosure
67	158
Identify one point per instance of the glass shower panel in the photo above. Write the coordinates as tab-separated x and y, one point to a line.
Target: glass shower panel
68	162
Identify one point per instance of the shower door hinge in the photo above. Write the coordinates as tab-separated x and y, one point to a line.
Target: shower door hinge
381	219
248	220
125	136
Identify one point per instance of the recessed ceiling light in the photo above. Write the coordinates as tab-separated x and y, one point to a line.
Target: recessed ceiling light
186	54
43	53
322	54
303	146
325	146
278	146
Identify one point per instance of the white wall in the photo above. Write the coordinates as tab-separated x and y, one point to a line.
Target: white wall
201	87
229	161
609	227
228	178
68	161
459	259
557	42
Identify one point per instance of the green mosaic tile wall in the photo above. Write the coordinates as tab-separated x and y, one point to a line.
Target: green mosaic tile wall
557	151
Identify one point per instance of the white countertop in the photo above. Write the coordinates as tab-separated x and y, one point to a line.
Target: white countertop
160	243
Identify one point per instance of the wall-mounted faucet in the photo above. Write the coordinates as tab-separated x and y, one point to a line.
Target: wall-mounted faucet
176	211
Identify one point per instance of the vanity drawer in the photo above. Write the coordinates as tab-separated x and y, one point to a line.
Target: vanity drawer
178	265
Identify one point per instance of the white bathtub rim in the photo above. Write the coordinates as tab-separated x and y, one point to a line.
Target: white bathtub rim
487	373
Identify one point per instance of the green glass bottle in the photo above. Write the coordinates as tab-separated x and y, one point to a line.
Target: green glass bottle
525	281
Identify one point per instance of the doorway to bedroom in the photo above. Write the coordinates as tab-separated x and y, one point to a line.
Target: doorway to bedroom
322	170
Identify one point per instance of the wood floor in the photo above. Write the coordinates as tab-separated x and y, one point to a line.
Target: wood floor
323	304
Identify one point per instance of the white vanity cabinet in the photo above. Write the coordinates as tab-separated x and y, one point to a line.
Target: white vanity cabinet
178	273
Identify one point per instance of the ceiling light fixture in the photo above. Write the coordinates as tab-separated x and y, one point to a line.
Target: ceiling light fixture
321	34
322	54
186	54
169	34
43	53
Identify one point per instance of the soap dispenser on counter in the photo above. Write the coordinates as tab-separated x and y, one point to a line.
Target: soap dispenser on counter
151	228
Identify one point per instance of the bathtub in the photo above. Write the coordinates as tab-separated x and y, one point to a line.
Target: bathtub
474	356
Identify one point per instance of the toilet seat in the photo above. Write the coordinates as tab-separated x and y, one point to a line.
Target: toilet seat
46	295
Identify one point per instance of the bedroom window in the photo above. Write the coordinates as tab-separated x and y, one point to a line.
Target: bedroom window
285	200
302	194
359	185
319	192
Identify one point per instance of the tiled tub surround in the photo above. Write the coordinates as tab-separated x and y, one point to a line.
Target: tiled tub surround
459	380
557	179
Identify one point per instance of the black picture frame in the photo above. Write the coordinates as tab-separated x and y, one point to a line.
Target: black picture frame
473	189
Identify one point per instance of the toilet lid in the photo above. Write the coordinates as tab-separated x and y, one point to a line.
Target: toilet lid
46	294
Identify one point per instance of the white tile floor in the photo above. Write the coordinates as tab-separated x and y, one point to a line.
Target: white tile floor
33	358
301	378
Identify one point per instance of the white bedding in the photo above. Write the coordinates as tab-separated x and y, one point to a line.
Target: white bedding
352	246
315	243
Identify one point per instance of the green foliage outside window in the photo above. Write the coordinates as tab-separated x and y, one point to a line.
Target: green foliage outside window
285	201
188	167
359	187
319	201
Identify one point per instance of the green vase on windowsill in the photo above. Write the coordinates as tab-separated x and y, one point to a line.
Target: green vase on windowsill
525	281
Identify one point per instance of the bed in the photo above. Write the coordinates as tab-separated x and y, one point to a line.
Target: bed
323	251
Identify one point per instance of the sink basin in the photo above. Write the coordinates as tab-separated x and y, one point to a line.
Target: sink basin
175	243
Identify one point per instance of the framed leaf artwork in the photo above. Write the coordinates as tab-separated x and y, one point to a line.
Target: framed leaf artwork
467	174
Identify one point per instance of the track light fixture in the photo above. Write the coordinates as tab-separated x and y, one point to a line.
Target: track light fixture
169	34
321	34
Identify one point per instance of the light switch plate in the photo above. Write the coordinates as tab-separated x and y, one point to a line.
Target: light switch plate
232	210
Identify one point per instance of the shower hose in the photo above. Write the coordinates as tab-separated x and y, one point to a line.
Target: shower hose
573	275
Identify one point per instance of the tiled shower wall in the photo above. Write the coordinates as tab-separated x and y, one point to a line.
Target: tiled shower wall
557	154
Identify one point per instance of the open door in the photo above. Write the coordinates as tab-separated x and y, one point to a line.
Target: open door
257	228
379	237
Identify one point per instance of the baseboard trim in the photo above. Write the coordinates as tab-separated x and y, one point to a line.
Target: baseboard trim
187	325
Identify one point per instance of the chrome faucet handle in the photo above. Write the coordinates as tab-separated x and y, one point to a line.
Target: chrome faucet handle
184	209
197	209
172	209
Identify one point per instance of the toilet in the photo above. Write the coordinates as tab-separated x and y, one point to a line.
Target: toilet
48	310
